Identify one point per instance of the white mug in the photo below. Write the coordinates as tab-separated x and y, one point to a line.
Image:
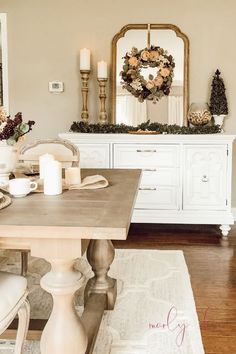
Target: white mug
20	187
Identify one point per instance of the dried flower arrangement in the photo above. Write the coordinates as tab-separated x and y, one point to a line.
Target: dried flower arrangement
11	130
155	87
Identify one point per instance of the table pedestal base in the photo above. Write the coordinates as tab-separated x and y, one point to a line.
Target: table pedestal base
100	255
64	331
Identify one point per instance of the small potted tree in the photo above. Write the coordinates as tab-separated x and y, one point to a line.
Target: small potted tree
218	101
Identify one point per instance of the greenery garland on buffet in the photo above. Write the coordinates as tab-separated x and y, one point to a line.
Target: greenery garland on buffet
156	86
82	127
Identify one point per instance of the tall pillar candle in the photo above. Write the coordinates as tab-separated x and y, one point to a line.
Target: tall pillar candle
43	160
53	178
84	59
102	70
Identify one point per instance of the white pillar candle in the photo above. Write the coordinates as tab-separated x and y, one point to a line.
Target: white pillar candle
52	182
72	176
43	160
84	59
102	70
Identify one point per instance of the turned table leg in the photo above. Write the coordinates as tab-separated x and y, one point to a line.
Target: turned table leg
100	255
64	332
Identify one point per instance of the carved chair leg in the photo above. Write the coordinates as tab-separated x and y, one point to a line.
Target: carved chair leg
100	255
24	262
23	325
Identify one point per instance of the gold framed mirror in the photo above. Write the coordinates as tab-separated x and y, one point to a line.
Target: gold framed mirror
171	109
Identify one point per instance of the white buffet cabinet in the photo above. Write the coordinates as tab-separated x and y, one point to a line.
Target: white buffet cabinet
186	179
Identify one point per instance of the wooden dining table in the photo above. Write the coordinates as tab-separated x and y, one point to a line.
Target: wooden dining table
60	229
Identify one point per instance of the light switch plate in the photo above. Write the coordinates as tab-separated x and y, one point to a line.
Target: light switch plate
56	86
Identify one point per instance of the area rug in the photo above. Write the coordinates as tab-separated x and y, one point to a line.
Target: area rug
155	311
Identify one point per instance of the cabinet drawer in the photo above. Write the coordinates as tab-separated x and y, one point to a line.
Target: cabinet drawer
94	155
160	177
144	156
157	198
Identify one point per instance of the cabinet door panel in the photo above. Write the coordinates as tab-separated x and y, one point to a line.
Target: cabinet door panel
204	183
94	155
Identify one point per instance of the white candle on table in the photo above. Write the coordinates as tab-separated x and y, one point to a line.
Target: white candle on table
53	178
102	70
72	176
43	160
84	59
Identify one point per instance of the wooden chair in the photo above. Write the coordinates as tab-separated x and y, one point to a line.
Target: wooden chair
63	151
13	301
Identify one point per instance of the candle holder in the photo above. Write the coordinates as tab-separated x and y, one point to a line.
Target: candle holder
84	90
102	96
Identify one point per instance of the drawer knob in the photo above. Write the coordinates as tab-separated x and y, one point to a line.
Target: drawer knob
205	178
148	189
146	150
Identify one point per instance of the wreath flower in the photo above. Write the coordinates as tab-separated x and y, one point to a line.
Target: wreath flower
154	88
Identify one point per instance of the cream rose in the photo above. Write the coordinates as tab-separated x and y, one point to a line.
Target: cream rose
165	72
154	55
145	55
158	81
133	61
136	84
150	85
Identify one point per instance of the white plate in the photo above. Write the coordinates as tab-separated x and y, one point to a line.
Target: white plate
1	195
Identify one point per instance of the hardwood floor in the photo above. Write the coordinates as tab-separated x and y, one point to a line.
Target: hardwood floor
212	267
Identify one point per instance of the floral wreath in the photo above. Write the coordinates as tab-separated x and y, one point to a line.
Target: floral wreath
155	87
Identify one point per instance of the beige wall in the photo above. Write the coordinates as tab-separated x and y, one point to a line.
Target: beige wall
45	37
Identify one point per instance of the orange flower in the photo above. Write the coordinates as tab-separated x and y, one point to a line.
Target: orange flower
133	61
165	72
154	55
145	55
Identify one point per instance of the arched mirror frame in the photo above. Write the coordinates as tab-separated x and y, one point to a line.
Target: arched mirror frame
3	34
178	32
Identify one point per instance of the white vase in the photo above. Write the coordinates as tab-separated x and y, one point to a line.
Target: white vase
219	119
8	160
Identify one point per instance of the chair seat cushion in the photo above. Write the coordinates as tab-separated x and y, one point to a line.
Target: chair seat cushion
12	288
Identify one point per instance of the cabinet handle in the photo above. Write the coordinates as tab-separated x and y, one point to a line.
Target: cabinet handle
148	189
146	150
205	178
150	169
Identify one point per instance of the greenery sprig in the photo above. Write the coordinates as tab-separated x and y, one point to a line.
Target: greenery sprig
81	127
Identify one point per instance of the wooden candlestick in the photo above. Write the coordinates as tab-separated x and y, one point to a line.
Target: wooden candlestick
102	96
84	90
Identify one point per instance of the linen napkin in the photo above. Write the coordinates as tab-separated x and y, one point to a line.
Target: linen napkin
91	182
